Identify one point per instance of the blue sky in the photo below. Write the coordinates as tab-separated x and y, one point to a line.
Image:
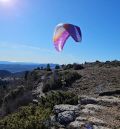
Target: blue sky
27	26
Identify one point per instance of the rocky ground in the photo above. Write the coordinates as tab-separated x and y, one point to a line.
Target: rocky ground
97	88
90	113
96	80
99	103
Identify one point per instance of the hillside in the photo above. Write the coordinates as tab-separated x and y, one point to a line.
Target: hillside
97	79
4	73
85	96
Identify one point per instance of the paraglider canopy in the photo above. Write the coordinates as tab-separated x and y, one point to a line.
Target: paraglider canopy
63	32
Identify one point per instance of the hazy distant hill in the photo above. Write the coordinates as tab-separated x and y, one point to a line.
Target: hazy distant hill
19	66
4	73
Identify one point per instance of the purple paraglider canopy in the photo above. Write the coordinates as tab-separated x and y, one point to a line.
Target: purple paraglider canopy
62	33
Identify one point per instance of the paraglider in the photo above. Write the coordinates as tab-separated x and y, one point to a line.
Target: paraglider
63	32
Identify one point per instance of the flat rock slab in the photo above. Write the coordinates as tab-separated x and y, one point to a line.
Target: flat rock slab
105	100
76	125
96	121
64	107
94	107
87	111
83	100
81	118
100	127
90	109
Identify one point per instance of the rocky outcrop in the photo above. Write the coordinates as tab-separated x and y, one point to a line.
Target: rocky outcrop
38	91
105	100
90	113
109	93
65	113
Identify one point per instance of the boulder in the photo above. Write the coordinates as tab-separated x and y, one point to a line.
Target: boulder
66	117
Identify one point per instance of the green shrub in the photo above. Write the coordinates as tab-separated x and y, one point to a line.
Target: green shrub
69	66
14	93
58	97
63	79
48	67
57	67
37	117
51	84
29	117
70	77
77	66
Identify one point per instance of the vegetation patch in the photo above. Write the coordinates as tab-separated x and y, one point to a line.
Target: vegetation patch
60	80
37	116
58	97
29	117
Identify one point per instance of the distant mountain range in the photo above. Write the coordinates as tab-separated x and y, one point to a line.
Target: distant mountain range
5	73
21	66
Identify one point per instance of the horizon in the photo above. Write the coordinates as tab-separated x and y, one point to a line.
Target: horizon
27	29
36	63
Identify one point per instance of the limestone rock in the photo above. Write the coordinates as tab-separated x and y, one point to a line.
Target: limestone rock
100	127
76	125
64	107
66	117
